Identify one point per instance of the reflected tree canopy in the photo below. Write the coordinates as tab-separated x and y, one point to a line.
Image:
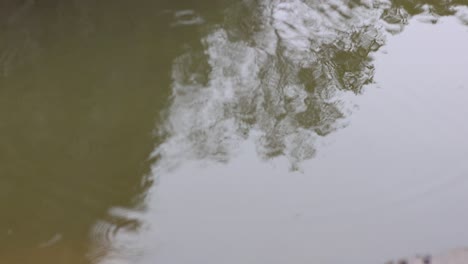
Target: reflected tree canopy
276	70
399	12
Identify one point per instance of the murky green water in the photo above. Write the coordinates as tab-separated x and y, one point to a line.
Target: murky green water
232	132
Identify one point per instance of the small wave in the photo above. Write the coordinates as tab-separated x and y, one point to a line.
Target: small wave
187	18
111	236
52	241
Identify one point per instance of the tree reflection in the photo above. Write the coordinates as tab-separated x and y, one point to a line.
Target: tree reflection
275	71
278	78
400	11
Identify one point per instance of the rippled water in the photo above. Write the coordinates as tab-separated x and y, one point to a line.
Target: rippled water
232	132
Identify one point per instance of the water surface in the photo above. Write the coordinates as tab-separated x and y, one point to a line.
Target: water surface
252	132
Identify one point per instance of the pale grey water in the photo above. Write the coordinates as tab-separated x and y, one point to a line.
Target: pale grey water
255	132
